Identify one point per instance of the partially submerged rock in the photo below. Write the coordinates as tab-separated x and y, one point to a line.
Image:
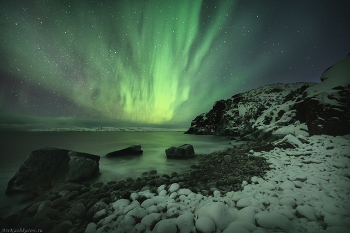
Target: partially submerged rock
131	150
184	151
47	166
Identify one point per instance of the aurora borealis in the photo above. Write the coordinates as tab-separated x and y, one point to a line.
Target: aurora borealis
156	62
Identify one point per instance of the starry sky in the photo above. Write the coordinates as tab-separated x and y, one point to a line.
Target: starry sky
155	62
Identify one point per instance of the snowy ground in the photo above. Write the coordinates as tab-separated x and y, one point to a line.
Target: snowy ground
308	190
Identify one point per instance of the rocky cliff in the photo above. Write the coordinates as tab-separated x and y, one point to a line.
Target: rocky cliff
279	109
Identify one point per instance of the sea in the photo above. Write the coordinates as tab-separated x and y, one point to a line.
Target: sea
16	146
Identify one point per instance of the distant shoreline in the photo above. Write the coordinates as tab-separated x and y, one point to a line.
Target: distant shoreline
109	129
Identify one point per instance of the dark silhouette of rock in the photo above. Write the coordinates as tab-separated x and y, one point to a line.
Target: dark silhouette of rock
131	150
45	167
181	152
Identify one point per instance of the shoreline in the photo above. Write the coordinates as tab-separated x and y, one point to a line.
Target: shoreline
237	196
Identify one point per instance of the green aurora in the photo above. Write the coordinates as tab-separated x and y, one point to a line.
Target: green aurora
138	61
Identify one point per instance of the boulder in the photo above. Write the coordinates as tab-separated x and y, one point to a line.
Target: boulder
181	152
45	167
131	150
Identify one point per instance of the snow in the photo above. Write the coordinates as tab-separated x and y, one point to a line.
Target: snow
307	190
205	224
336	76
174	187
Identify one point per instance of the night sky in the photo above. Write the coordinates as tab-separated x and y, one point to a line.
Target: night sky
159	62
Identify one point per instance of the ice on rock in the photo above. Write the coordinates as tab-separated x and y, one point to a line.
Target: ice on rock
287	212
159	199
276	162
217	193
260	230
236	196
120	205
333	220
235	229
161	188
288	201
166	226
247	214
150	219
133	205
131	216
267	186
174	187
291	140
184	192
152	209
244	224
172	212
244	202
205	225
173	195
307	212
274	221
287	185
140	227
337	229
91	228
218	212
192	196
147	203
162	193
331	207
185	223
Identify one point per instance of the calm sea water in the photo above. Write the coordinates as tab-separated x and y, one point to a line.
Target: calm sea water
15	146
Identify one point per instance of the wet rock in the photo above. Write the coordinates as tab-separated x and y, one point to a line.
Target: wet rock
48	212
29	196
66	186
232	180
31	222
227	158
58	202
78	211
45	167
132	150
95	208
62	227
32	210
181	152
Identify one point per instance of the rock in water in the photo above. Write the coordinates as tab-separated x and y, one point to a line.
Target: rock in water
182	152
131	150
47	166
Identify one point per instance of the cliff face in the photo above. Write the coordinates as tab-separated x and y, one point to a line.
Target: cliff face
279	109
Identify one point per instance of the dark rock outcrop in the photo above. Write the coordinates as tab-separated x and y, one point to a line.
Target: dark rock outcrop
131	150
181	152
273	111
45	167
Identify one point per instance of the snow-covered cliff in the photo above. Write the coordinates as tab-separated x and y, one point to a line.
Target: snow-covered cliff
279	109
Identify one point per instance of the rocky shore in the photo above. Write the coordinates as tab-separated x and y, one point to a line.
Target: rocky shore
296	184
70	207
